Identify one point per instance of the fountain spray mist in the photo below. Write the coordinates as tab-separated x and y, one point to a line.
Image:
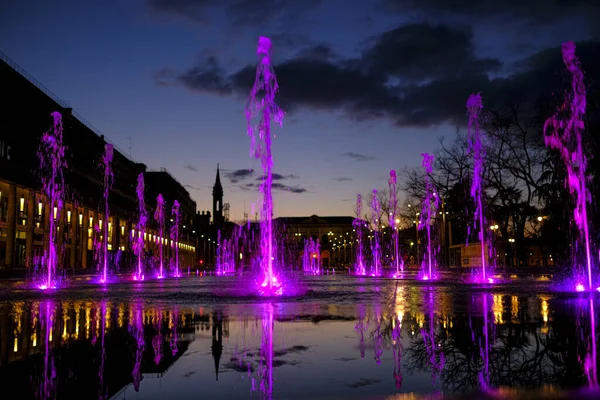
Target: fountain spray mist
143	218
108	180
564	132
175	235
392	184
51	154
375	245
159	216
260	110
430	206
358	223
474	105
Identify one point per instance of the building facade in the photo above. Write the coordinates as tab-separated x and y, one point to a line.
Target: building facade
25	212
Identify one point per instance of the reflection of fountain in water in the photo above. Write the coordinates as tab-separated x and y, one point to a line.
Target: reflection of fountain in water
137	331
378	337
173	322
157	340
434	351
360	328
266	353
590	358
484	348
47	388
102	389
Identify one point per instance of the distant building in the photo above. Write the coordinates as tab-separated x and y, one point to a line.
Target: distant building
25	212
336	235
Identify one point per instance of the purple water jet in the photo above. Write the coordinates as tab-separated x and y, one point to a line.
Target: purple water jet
474	105
375	240
175	236
358	224
430	206
108	180
51	154
392	183
141	226
159	216
260	110
564	133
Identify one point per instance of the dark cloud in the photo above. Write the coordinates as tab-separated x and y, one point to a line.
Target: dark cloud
193	187
342	179
278	177
191	168
421	52
415	75
358	156
239	175
541	10
275	186
241	12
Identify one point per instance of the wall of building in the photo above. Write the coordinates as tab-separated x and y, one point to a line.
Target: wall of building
25	212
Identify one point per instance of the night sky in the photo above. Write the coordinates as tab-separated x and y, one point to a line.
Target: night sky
367	85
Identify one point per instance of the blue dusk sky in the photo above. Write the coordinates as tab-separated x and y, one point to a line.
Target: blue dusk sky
367	85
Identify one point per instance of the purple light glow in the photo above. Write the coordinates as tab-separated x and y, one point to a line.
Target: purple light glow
429	210
564	133
474	106
260	110
51	154
175	237
159	216
143	218
108	180
375	239
392	184
358	223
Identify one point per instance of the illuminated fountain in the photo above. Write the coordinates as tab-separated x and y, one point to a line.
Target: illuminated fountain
175	236
564	133
260	110
159	216
474	105
394	222
430	206
141	227
375	239
358	223
108	180
311	261
51	154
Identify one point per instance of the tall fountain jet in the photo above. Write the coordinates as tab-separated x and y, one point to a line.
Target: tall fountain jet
430	206
358	223
51	154
175	235
159	216
474	105
392	183
141	227
108	180
260	110
564	132
375	244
